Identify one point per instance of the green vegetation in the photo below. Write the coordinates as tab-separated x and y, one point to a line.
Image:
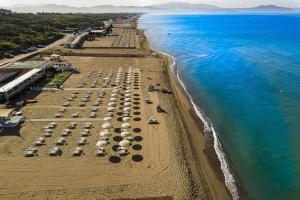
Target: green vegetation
20	31
56	80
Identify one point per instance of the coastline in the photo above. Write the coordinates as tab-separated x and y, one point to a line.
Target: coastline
202	137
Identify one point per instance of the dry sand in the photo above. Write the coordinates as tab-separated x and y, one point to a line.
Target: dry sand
172	166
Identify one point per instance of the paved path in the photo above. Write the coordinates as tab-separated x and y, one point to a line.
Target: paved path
69	89
22	56
66	120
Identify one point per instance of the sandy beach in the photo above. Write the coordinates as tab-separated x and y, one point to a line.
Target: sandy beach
172	159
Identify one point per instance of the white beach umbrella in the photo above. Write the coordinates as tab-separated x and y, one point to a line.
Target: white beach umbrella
127	99
106	78
127	91
107	119
112	104
124	143
111	109
126	125
104	134
114	95
125	134
127	104
106	126
113	99
128	88
127	95
126	109
115	91
109	114
101	143
126	119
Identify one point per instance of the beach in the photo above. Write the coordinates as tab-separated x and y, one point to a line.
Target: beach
177	160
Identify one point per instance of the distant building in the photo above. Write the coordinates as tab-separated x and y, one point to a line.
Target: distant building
70	30
15	77
78	41
98	33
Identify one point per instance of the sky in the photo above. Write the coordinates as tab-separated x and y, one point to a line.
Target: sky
221	3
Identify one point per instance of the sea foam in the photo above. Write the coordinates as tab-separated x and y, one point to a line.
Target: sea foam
208	127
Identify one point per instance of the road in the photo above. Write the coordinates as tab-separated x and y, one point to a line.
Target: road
21	56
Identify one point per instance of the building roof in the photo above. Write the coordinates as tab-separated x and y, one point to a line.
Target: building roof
78	38
19	80
28	64
98	31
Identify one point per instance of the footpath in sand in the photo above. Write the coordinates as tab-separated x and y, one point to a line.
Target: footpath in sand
159	164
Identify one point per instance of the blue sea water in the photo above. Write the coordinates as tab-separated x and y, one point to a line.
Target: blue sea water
244	72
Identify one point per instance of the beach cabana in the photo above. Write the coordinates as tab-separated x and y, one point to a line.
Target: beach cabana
53	124
100	152
152	120
77	151
81	141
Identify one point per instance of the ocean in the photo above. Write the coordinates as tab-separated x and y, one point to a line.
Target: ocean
243	71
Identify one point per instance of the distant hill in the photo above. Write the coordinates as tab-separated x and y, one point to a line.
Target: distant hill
168	7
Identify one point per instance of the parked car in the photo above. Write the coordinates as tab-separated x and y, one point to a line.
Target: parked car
8	55
24	51
32	49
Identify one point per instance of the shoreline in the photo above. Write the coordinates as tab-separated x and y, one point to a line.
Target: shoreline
199	128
